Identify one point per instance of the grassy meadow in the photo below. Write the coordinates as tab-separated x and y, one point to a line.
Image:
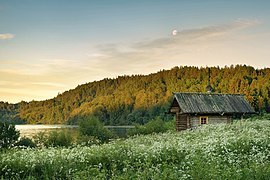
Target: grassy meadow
237	151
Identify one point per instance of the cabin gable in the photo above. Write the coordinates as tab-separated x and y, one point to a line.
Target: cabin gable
174	107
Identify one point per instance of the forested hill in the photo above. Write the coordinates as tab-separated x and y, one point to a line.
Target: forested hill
139	98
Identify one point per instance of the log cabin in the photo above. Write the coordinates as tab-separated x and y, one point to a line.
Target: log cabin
195	109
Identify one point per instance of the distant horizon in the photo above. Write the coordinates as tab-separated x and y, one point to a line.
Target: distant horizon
130	75
47	47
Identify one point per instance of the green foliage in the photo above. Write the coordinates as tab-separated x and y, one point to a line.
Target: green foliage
170	125
40	139
136	99
8	135
261	116
153	126
25	142
225	151
84	140
56	139
92	127
10	113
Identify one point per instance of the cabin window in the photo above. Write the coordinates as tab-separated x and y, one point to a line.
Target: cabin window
203	120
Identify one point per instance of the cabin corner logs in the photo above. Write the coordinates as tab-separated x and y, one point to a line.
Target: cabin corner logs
194	109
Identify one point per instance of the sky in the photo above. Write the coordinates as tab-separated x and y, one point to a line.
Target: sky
48	47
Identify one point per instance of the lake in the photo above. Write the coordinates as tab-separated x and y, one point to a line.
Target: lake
29	130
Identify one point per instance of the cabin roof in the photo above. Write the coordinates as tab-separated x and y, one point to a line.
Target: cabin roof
210	103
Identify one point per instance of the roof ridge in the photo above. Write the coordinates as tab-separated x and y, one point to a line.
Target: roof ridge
206	93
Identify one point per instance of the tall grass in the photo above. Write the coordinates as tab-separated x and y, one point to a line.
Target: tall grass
237	151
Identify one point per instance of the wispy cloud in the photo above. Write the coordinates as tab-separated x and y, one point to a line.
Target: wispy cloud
6	36
149	55
187	36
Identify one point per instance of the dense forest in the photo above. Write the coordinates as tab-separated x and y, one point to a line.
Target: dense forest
139	98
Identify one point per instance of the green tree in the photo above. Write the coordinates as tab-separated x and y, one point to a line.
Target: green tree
255	100
8	135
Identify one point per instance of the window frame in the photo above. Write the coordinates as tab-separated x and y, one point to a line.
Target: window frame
206	120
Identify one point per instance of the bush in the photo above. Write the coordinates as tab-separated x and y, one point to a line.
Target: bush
26	142
40	138
8	135
55	139
91	126
87	140
153	126
63	138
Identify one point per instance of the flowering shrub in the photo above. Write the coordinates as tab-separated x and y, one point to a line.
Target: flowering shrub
237	151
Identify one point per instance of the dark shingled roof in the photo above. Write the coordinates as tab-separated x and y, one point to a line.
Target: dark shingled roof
199	103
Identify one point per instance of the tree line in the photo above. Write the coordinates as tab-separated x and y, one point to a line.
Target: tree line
138	98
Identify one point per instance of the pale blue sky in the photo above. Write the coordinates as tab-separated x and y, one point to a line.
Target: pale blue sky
49	46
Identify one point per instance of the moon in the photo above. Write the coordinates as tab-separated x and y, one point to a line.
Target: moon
174	32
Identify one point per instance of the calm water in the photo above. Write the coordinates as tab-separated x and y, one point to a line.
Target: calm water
38	126
29	130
